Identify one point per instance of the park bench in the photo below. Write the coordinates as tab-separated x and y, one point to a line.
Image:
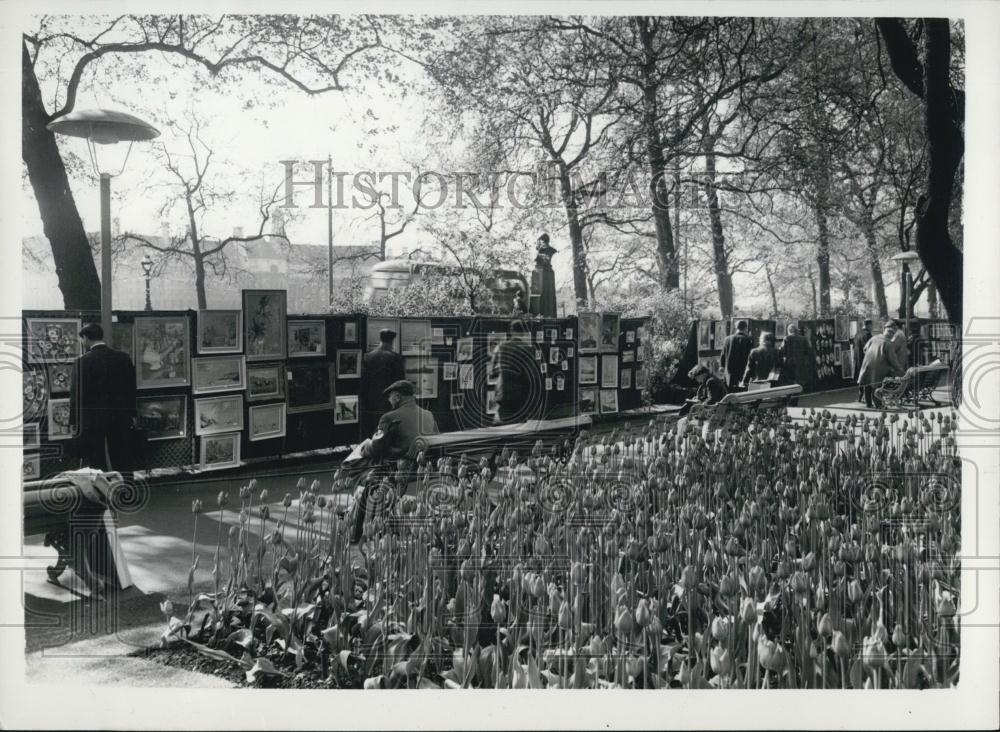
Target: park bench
714	415
73	512
916	385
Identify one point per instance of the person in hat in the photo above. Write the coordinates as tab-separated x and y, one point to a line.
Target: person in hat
900	347
860	341
879	362
764	362
798	360
399	428
381	367
735	354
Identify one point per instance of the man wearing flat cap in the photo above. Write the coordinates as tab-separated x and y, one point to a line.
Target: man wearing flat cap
382	367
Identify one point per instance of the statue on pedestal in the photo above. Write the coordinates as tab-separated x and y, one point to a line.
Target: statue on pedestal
543	280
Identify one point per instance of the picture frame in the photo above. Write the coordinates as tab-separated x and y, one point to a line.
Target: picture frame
31	467
123	339
552	334
704	335
841	328
588	370
218	415
628	356
349	364
58	420
449	371
265	381
626	379
217	374
847	364
310	387
641	378
588	401
346	410
555	355
351	331
375	326
560	380
219	451
267	421
610	332
630	337
163	417
34	391
219	331
306	338
493	340
31	437
609	371
264	324
466	376
590	332
415	337
465	350
163	352
60	376
492	408
457	401
836	353
422	371
609	401
52	340
437	336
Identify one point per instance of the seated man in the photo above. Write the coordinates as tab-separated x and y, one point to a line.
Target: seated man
397	430
710	388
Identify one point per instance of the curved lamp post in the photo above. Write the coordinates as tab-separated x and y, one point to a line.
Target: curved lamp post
104	127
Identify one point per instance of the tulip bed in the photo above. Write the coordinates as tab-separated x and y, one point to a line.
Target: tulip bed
773	553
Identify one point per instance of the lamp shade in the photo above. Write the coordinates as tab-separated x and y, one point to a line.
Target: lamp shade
103	126
910	256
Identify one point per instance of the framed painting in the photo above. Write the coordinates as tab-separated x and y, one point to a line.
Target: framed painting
415	337
310	387
267	421
52	340
704	335
163	350
220	451
641	379
351	331
626	379
31	467
349	364
449	371
123	338
306	338
609	371
34	391
588	369
588	401
609	401
457	401
610	332
628	356
220	373
422	372
465	349
265	381
163	418
841	328
220	331
346	410
466	376
590	332
31	436
59	419
492	408
216	415
60	377
264	313
376	326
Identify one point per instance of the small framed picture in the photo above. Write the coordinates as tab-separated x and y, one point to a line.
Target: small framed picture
457	401
163	418
538	354
265	381
836	353
492	408
449	371
568	334
544	368
588	401
609	401
466	376
548	383
163	352
609	371
32	438
351	331
31	467
220	451
437	336
540	336
267	421
610	331
628	356
60	377
590	332
310	386
219	373
264	331
346	410
704	335
306	338
349	364
59	419
553	334
588	369
216	415
560	382
626	379
570	351
422	372
630	337
465	349
641	379
555	355
564	365
415	337
220	331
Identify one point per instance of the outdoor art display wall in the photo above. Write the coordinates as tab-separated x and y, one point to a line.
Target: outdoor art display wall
216	388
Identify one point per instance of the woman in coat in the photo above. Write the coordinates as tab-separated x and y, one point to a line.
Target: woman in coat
764	361
881	360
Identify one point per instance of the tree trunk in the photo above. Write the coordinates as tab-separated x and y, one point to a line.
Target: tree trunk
878	283
823	257
575	236
197	255
74	263
815	299
723	279
666	253
774	293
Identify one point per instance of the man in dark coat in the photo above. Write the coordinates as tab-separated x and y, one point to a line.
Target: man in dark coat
735	352
102	397
798	359
382	367
519	392
764	362
861	339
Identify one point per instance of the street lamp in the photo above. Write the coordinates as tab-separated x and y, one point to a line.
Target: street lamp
104	127
147	267
906	259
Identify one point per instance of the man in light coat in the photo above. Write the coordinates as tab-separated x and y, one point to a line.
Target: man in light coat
881	360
